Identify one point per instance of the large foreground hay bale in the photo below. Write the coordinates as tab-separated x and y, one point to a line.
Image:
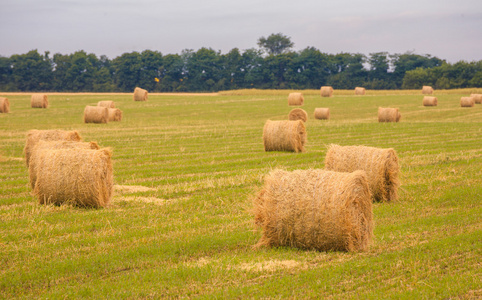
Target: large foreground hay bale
81	177
295	99
115	114
284	136
315	209
427	90
298	114
322	113
34	136
4	105
108	104
359	91
96	114
467	101
39	101
326	91
140	94
386	114
42	145
381	166
429	101
477	98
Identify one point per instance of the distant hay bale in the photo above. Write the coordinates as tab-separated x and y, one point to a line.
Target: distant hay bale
298	114
322	113
295	99
115	114
42	145
39	101
429	101
4	105
326	91
96	114
467	102
359	91
140	94
381	166
284	136
108	104
315	209
388	114
477	98
34	136
427	90
82	177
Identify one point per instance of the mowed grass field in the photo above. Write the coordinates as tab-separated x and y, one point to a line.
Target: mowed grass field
186	169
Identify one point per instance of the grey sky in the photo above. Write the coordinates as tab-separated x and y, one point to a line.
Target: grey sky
450	30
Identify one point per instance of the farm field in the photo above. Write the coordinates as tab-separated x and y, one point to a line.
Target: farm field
186	169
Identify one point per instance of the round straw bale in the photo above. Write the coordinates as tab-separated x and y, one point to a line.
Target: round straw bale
359	91
81	177
96	114
295	99
322	113
430	101
298	114
39	101
115	114
467	102
32	168
34	136
315	209
477	98
326	91
427	90
4	105
388	114
108	104
381	166
284	136
140	94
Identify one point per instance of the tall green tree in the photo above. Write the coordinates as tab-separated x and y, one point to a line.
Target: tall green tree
31	71
275	44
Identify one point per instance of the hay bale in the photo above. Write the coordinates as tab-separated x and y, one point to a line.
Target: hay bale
81	177
386	114
108	104
4	105
115	114
315	209
429	101
381	166
295	99
467	102
326	91
284	136
477	98
427	90
140	94
322	113
359	91
42	145
39	101
34	136
96	114
298	114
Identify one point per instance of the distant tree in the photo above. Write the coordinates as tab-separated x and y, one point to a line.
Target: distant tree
275	43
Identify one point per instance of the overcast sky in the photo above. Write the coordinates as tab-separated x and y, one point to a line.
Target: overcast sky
448	29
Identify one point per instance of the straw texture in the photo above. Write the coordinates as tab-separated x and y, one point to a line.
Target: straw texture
115	114
140	94
477	98
322	113
429	101
295	99
39	101
326	91
108	104
427	90
96	114
4	105
298	114
388	114
284	136
359	91
467	102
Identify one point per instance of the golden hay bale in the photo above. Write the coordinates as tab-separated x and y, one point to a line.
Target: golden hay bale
381	166
429	101
322	113
34	136
96	114
388	114
140	94
81	177
108	104
284	136
298	114
359	91
477	98
295	99
115	114
326	91
32	168
427	90
39	101
315	209
4	105
467	101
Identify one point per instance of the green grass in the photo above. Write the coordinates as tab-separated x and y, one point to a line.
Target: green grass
186	168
